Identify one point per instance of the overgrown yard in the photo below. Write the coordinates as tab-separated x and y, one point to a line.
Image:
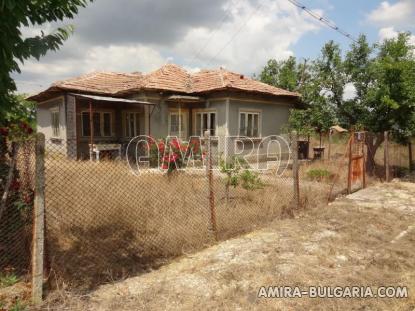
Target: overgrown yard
365	239
105	223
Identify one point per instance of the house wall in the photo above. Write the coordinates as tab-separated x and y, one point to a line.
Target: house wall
118	126
44	123
273	116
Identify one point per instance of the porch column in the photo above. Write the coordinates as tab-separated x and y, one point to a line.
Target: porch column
91	129
71	127
180	120
147	129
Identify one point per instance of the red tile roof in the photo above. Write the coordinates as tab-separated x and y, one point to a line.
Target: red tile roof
168	78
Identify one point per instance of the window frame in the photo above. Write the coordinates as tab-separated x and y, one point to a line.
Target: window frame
201	112
182	122
101	127
252	112
55	110
137	123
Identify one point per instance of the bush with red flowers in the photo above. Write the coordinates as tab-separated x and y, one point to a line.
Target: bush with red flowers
172	154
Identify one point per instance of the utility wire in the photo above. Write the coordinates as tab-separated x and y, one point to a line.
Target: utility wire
323	20
235	34
212	34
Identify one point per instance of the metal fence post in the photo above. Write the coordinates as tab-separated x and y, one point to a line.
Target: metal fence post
38	221
296	169
386	155
350	162
211	194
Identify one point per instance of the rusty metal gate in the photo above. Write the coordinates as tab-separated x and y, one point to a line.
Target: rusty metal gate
356	178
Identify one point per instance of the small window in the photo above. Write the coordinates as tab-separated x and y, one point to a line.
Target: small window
86	130
249	124
97	124
132	124
55	123
106	123
102	124
177	124
205	121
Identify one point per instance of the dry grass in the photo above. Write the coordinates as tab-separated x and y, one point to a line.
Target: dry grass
348	244
105	223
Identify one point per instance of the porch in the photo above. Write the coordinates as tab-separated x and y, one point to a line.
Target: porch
105	125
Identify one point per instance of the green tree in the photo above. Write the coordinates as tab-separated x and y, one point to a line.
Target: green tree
384	78
14	48
286	74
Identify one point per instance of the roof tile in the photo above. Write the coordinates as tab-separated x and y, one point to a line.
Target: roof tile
168	78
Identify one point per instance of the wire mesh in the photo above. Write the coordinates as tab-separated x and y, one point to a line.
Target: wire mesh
121	215
16	208
106	219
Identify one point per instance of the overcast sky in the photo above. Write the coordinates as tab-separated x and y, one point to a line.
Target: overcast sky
241	35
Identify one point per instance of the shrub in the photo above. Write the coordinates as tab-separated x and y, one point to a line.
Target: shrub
173	154
8	280
319	174
250	180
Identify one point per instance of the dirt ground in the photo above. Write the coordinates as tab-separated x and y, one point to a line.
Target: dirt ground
364	239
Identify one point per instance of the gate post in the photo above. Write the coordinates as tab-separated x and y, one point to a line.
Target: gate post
296	169
386	155
350	167
38	221
211	194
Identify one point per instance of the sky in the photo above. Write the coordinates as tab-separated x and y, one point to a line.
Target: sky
239	35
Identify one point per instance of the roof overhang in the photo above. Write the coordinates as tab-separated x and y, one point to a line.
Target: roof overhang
185	98
111	99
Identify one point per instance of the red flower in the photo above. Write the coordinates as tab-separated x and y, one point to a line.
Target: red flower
161	147
4	131
175	144
15	185
173	157
164	166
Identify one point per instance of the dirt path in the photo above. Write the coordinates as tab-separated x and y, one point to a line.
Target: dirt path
367	238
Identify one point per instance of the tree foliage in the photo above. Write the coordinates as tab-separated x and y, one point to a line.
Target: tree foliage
14	48
383	76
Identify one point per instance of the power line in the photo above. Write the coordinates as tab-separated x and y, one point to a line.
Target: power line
235	34
323	20
212	34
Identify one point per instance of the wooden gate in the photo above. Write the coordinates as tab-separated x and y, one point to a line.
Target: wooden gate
356	178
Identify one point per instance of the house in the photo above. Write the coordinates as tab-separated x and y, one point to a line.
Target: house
167	102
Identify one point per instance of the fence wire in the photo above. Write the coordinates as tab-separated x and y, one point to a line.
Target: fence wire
107	220
17	163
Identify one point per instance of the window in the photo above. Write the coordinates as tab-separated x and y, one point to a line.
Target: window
55	122
132	124
205	121
249	124
177	125
102	124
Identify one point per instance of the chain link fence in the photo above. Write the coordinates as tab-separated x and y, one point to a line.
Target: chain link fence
16	211
110	218
133	209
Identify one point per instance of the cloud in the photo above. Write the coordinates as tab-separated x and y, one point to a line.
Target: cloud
390	33
255	33
130	35
398	14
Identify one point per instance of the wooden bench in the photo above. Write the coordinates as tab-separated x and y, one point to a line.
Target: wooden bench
97	148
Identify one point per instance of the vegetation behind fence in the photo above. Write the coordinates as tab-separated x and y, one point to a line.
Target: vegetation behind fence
104	221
